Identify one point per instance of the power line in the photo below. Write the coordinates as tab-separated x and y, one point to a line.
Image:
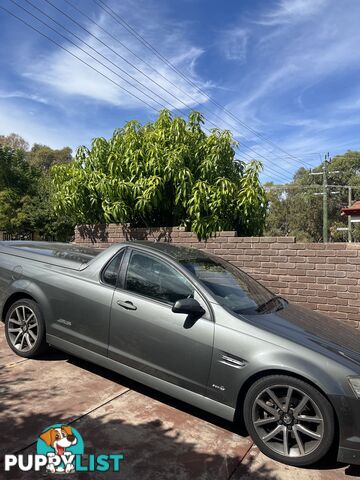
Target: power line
91	56
273	169
101	63
87	53
119	19
131	64
112	50
75	56
194	100
277	172
128	49
302	187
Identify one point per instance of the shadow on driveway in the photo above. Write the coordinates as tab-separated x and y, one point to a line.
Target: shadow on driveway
161	438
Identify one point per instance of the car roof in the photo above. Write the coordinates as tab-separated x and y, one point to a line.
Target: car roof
177	252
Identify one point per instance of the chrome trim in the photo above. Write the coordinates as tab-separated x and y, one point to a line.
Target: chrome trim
232	362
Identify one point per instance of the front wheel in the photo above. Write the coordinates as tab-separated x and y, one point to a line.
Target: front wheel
289	420
25	328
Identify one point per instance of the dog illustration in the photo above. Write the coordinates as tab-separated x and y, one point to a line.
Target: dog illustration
59	439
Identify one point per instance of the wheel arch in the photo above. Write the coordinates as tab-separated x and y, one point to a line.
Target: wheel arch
239	414
14	297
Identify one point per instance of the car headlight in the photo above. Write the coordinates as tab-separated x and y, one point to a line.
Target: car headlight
355	384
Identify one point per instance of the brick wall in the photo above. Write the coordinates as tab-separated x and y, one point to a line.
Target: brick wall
324	277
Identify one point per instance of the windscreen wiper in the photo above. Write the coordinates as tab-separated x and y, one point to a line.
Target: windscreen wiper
281	302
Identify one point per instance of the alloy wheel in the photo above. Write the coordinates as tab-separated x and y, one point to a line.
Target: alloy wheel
23	328
288	420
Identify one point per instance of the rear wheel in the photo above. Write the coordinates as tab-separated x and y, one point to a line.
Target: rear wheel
289	420
25	328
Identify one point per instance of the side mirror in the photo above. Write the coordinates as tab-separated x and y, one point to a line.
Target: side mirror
189	306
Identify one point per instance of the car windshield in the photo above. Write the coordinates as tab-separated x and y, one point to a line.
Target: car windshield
233	288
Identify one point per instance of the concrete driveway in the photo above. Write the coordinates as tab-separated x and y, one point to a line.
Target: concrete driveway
160	438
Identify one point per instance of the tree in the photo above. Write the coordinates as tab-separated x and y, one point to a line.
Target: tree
295	210
164	173
17	181
25	194
44	157
14	141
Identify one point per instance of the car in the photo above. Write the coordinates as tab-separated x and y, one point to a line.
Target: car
195	327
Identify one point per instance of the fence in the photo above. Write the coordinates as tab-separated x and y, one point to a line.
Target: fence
17	236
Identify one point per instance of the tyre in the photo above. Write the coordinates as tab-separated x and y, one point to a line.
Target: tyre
25	328
289	420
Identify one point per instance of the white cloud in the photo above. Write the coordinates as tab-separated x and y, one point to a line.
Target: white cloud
67	75
234	44
292	11
296	85
23	95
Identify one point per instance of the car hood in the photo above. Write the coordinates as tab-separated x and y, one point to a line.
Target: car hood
313	330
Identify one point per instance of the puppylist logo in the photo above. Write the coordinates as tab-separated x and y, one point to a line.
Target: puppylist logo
60	449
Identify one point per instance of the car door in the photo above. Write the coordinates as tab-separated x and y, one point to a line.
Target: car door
144	332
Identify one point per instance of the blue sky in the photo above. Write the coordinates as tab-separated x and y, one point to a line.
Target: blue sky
288	69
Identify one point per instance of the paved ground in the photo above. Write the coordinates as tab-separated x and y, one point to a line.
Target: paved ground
161	438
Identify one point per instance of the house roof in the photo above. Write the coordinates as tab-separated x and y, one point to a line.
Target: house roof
354	210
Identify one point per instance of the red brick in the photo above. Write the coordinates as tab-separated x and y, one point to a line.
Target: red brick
278	259
297	246
354	288
325	266
348	309
347	281
348	253
348	295
231	246
353	275
307	279
250	239
287	278
335	246
354	303
337	288
335	274
336	260
298	260
326	280
309	253
286	239
317	260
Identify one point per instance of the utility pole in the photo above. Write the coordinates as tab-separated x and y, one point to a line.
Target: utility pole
325	202
350	189
325	195
349	217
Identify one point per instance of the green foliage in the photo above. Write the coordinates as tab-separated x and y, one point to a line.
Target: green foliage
164	173
297	211
25	198
16	183
44	157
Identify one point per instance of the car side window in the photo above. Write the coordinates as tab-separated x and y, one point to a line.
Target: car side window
155	279
111	272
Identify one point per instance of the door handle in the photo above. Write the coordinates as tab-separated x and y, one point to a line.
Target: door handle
127	304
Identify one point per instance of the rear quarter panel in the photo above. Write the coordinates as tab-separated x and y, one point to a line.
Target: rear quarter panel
6	268
75	306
